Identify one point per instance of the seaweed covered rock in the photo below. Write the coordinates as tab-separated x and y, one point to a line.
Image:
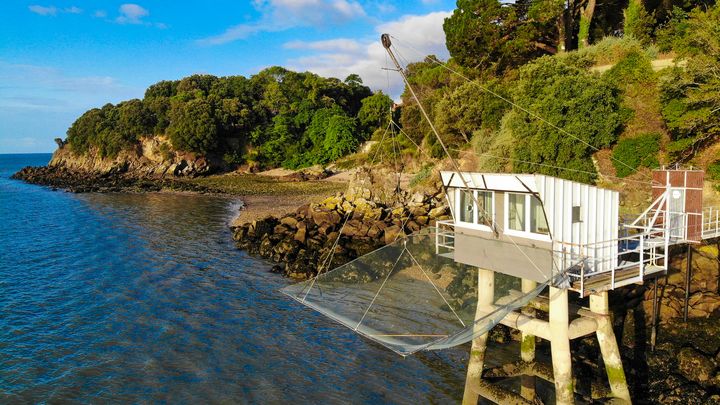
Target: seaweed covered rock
336	230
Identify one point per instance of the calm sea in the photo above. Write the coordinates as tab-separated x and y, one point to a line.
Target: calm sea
144	298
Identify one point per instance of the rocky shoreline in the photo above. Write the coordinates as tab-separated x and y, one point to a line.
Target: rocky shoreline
79	181
684	368
301	241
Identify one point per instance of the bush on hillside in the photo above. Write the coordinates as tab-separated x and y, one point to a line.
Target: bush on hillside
690	97
713	171
636	152
581	103
635	67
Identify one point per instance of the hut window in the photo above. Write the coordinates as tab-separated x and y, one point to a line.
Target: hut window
516	212
525	215
576	214
538	223
485	212
468	211
467	206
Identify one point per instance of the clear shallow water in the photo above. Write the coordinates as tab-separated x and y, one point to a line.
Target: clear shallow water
143	298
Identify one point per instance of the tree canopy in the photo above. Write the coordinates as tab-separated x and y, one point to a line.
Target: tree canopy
271	117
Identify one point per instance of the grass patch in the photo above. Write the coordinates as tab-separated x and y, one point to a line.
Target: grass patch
250	184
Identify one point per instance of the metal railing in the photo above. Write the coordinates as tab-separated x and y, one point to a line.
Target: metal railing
445	235
710	222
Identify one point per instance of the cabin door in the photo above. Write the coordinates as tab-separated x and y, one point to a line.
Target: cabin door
676	213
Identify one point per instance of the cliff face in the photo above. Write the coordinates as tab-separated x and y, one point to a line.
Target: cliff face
151	157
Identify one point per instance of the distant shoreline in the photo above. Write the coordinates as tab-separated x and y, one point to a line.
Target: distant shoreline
261	195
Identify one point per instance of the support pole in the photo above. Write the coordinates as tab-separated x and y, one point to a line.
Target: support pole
609	347
560	346
653	330
486	296
527	347
688	278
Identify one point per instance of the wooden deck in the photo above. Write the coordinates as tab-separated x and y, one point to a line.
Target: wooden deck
603	281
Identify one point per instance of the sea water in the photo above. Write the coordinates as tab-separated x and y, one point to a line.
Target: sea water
144	298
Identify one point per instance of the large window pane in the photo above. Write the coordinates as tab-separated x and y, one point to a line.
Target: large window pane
466	206
538	223
485	212
516	211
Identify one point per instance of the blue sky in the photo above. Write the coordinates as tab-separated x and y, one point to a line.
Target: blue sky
59	58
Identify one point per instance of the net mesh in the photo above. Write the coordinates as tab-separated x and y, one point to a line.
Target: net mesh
411	295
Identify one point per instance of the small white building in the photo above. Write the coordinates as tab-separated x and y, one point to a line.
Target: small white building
539	227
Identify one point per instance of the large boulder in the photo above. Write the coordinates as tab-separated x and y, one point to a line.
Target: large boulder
695	366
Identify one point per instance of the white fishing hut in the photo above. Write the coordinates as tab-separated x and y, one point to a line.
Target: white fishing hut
541	228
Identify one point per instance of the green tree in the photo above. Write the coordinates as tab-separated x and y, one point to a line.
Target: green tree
582	104
487	34
339	137
638	22
470	108
375	111
193	127
691	96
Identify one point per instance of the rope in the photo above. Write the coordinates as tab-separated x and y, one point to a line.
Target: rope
380	289
436	289
453	162
519	107
551	166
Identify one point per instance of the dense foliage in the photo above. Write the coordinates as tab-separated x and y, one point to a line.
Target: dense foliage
586	107
691	95
632	153
484	34
277	117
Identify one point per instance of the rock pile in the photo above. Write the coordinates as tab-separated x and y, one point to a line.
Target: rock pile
302	241
80	181
704	300
685	366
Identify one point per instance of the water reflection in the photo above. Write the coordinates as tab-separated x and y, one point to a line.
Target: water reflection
122	297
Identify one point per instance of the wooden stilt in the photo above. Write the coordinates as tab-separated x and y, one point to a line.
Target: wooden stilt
609	347
527	347
560	346
688	278
486	296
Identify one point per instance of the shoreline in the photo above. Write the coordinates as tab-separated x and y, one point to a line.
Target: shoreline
293	225
273	193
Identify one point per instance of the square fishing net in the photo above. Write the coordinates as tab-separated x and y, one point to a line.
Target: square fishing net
411	295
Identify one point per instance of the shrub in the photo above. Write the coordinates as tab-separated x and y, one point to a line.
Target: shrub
639	151
581	103
713	171
634	67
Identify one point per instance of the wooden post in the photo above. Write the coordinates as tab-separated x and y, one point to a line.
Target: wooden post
486	296
527	347
609	347
688	278
560	346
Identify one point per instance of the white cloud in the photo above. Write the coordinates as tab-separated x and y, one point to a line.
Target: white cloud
30	86
100	14
131	14
52	10
280	15
43	10
135	14
415	36
339	44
